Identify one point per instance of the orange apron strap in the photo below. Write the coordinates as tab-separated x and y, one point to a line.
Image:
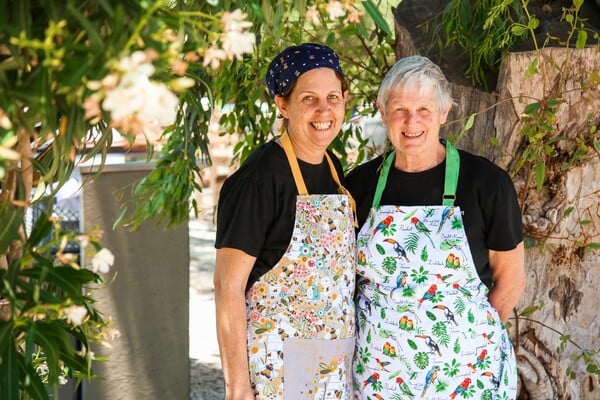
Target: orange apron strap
293	161
342	189
300	185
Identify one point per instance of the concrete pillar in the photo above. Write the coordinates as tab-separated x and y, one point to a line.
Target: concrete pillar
148	300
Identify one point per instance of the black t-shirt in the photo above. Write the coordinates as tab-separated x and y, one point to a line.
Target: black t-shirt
485	194
257	204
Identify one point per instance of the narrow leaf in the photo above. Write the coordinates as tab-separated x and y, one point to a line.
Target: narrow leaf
9	371
10	219
540	173
375	14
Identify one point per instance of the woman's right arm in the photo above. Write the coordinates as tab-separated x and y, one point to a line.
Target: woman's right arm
232	268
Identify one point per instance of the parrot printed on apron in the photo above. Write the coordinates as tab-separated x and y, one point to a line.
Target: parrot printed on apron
301	313
425	328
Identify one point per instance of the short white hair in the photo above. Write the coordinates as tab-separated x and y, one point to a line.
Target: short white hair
415	71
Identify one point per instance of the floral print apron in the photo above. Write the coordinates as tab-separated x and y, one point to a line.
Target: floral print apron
425	328
301	313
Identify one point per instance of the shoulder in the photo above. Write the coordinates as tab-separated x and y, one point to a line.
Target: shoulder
479	168
260	166
365	170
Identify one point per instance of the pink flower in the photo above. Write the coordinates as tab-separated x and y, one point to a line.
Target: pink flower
353	15
213	57
313	15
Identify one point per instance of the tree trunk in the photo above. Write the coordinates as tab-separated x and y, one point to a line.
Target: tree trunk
564	216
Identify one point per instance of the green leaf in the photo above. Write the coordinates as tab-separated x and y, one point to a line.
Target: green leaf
540	173
581	39
528	311
532	108
518	30
41	230
375	14
6	328
9	373
34	386
10	219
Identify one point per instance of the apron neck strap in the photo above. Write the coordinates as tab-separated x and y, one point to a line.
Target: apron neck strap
286	143
450	179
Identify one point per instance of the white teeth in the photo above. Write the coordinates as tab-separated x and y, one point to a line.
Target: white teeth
415	134
321	125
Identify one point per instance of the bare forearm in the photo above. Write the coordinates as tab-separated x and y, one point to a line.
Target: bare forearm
232	268
508	269
231	334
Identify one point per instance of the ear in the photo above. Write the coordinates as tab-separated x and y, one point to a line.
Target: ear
444	113
281	105
381	113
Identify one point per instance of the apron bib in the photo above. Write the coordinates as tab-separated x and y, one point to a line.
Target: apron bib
301	313
425	328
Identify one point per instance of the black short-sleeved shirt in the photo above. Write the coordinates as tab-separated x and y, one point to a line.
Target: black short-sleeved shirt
485	195
257	204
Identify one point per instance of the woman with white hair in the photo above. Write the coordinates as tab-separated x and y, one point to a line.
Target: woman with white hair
440	259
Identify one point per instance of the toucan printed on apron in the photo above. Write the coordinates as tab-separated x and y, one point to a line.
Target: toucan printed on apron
301	313
425	328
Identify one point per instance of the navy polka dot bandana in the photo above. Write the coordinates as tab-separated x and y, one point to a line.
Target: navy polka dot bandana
292	62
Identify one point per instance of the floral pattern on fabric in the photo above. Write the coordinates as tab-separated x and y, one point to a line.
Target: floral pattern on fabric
307	295
425	328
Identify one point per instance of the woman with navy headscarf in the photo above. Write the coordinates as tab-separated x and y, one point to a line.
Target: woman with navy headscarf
284	272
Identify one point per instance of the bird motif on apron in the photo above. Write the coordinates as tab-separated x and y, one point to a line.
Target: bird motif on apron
425	328
301	313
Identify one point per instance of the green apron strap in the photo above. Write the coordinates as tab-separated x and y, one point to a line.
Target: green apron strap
383	174
451	179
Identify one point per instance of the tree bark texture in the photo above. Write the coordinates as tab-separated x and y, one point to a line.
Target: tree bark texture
563	280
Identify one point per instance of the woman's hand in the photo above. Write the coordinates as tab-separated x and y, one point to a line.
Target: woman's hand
508	274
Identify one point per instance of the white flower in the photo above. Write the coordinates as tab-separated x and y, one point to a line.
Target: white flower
335	9
6	151
124	102
235	21
237	43
160	104
136	64
102	261
182	83
4	120
75	314
213	57
313	15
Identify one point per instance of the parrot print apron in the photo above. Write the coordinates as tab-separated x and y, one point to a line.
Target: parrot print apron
425	328
301	313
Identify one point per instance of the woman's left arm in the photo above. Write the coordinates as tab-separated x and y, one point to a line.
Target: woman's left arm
508	274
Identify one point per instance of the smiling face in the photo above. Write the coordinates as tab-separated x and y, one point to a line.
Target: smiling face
315	111
413	118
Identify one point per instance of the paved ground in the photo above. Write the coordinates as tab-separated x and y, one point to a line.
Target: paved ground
205	366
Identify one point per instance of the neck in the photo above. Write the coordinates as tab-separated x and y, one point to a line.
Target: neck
420	163
306	153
